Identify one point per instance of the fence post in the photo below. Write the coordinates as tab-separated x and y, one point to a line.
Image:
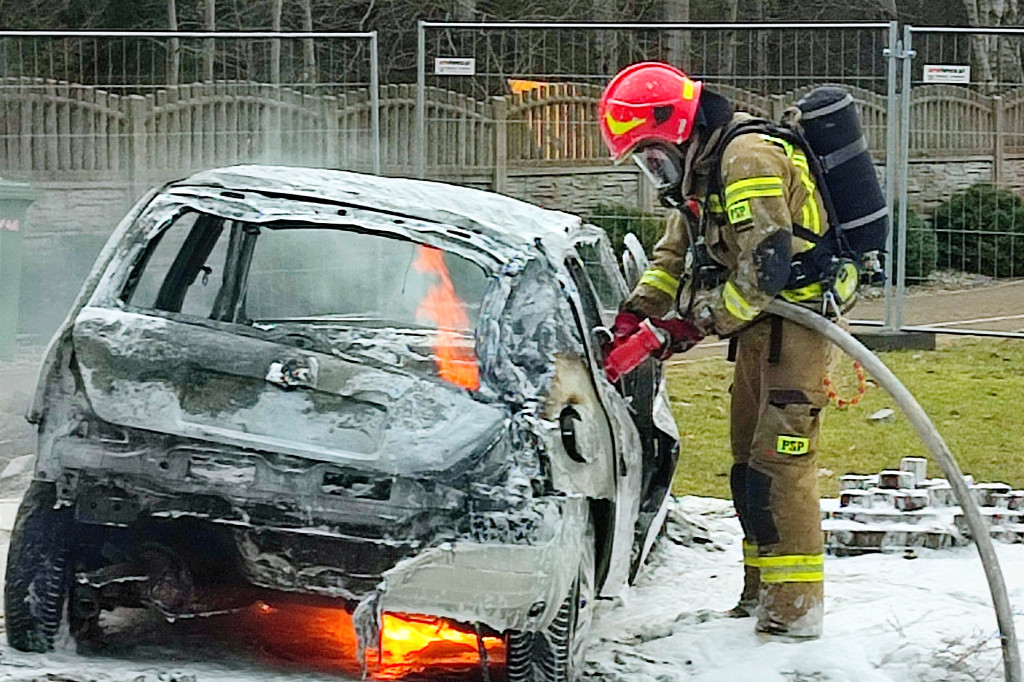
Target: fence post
137	156
894	53
778	105
270	103
998	172
421	103
375	101
330	113
28	142
906	81
499	112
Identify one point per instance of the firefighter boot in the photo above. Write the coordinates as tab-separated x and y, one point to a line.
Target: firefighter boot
751	584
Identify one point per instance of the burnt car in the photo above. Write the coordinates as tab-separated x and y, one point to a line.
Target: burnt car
383	392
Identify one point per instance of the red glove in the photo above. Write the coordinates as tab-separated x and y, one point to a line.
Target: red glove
683	335
626	324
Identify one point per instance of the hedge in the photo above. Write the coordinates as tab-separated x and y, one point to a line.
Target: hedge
981	229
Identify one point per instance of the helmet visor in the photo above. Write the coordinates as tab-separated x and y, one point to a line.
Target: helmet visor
661	164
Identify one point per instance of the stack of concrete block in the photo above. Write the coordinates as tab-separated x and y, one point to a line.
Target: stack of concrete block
899	510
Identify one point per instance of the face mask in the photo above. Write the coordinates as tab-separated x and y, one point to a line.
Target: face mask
662	164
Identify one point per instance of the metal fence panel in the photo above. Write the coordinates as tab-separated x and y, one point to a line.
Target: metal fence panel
93	119
523	97
158	104
961	198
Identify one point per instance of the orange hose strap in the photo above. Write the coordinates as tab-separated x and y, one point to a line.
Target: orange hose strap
862	387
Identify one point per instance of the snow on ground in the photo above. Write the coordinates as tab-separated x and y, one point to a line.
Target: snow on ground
887	618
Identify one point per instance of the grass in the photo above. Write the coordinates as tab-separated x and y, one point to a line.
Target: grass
972	389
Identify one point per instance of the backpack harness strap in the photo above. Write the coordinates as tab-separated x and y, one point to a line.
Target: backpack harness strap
813	271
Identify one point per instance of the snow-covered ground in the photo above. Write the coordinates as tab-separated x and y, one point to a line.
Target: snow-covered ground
925	618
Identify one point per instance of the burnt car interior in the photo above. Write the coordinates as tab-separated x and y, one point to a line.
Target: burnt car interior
232	271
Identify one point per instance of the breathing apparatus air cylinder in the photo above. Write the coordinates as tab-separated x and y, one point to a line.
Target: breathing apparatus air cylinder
832	129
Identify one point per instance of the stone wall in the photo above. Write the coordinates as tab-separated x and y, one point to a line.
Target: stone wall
66	226
579	191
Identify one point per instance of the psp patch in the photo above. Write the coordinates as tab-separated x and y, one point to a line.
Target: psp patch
740	212
793	445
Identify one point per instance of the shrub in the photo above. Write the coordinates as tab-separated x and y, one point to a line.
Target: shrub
922	247
981	229
618	220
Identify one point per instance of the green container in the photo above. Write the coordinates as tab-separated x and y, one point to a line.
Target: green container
15	198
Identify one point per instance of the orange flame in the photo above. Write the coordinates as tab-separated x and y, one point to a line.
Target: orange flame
408	644
456	362
411	643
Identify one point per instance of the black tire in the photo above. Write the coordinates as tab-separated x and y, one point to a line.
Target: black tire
557	653
37	570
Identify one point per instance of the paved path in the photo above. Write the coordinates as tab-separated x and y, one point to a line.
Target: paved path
998	307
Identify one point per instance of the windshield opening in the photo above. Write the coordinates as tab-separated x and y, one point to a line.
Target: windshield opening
216	268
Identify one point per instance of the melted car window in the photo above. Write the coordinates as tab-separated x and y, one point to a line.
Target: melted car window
320	273
211	267
183	271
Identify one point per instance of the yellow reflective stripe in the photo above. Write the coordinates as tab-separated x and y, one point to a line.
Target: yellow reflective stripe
793	577
661	280
805	220
749	554
737	305
814	218
715	204
791	560
734	199
749	188
809	211
792	568
779	141
803	293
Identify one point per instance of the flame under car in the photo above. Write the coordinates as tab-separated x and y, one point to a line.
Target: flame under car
383	393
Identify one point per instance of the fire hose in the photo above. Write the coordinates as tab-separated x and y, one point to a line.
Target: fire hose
936	446
940	453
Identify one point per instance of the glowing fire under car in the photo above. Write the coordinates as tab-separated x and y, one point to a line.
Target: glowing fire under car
408	645
383	396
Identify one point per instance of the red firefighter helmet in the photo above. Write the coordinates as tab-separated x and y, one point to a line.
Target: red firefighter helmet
647	102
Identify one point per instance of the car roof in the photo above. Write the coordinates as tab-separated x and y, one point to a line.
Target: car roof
511	222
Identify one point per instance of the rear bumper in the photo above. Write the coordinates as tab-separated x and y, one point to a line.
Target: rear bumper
518	587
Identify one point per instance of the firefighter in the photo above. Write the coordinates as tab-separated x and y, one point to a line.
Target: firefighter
748	217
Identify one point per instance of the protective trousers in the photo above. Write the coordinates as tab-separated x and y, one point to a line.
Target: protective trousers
777	397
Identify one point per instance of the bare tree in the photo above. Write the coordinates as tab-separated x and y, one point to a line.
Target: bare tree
275	45
465	10
308	51
995	58
210	47
607	41
731	40
173	45
678	44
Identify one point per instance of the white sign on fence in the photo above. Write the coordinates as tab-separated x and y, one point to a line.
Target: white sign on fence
947	73
454	66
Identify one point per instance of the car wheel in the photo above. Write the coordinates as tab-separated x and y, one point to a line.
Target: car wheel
557	653
37	570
